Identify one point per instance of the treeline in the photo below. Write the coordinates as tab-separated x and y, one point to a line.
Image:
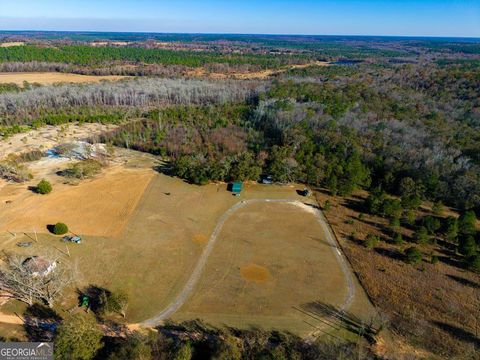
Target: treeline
123	69
78	336
94	56
57	104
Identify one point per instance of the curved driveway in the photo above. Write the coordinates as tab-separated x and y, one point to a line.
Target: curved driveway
197	272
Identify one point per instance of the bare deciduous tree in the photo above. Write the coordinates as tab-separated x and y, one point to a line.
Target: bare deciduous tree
41	278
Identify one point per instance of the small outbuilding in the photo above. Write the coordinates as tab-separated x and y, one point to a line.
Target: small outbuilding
236	187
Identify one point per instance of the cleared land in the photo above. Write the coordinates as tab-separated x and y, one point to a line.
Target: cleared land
50	78
263	74
272	273
49	136
144	233
99	207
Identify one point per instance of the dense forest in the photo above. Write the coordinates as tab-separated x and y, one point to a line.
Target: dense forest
89	55
370	129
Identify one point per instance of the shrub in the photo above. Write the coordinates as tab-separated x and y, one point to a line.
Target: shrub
394	224
183	351
371	241
431	224
466	223
14	172
467	246
438	208
451	229
43	187
134	347
60	229
421	235
83	169
117	302
413	255
398	239
473	263
327	206
434	259
409	217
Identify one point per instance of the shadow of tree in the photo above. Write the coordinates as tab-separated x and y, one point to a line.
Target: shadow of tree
391	253
458	333
165	168
338	318
464	281
40	322
355	205
450	258
97	296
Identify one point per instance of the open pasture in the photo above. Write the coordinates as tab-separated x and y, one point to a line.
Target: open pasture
144	233
50	78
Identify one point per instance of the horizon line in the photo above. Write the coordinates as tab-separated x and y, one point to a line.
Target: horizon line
243	34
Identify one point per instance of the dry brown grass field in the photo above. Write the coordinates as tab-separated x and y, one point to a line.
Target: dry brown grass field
433	306
262	74
50	78
270	264
143	233
98	207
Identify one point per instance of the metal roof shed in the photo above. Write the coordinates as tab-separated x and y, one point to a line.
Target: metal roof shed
237	187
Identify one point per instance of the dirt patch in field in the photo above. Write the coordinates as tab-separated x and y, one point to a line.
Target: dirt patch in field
255	273
101	206
50	78
200	239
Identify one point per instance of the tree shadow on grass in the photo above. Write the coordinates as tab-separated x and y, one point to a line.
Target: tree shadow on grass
337	318
447	246
458	333
165	168
40	322
355	205
33	189
450	258
97	297
464	281
391	253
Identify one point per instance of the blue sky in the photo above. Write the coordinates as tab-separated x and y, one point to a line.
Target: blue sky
348	17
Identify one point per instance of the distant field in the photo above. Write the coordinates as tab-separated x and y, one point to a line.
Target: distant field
12	44
50	78
262	74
